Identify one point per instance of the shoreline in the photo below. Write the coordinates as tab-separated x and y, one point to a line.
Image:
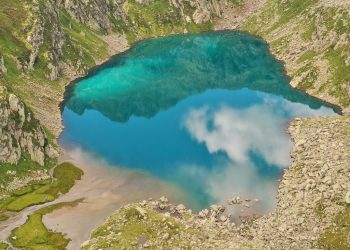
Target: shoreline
104	189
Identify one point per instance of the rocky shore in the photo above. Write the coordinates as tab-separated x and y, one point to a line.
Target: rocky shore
314	190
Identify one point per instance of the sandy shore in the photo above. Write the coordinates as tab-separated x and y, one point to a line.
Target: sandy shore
105	189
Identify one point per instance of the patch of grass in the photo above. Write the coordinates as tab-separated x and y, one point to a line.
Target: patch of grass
337	235
288	10
237	3
281	43
132	223
3	246
309	80
4	217
340	75
198	28
29	200
156	18
34	235
307	56
23	169
64	175
84	36
309	30
320	209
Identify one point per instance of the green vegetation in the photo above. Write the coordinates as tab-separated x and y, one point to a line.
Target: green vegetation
29	200
309	31
39	192
337	235
157	18
24	168
310	78
339	85
307	56
3	246
132	223
34	235
287	10
320	209
4	217
237	3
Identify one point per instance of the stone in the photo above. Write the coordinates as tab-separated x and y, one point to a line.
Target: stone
142	212
203	213
163	199
3	69
180	208
347	197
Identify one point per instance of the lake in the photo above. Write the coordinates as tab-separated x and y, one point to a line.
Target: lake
207	113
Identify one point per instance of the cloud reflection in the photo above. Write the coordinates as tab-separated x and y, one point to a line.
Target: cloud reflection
244	135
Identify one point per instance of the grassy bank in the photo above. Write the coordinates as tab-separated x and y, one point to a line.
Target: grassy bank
34	235
39	192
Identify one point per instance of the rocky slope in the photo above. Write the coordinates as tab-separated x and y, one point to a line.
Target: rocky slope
310	36
313	207
21	138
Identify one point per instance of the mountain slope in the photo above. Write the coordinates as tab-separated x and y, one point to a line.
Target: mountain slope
312	37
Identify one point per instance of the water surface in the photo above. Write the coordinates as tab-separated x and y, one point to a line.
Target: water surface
207	113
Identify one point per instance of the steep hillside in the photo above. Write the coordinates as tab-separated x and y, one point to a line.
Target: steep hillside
46	44
53	42
24	145
312	37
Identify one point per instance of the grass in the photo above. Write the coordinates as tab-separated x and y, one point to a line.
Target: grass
309	80
309	30
340	76
29	200
34	235
337	235
4	217
237	3
130	224
41	192
3	246
320	209
288	10
156	18
24	167
307	56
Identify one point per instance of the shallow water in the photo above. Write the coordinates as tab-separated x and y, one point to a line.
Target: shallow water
206	113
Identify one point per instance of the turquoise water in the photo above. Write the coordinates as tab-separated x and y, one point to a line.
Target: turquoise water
207	113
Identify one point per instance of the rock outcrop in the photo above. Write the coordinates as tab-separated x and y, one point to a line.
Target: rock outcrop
3	69
20	132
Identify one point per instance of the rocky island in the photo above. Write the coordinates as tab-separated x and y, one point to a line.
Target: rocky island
45	45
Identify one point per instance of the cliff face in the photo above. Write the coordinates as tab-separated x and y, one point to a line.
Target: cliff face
20	132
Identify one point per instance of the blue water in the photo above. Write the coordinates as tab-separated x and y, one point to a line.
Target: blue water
207	113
